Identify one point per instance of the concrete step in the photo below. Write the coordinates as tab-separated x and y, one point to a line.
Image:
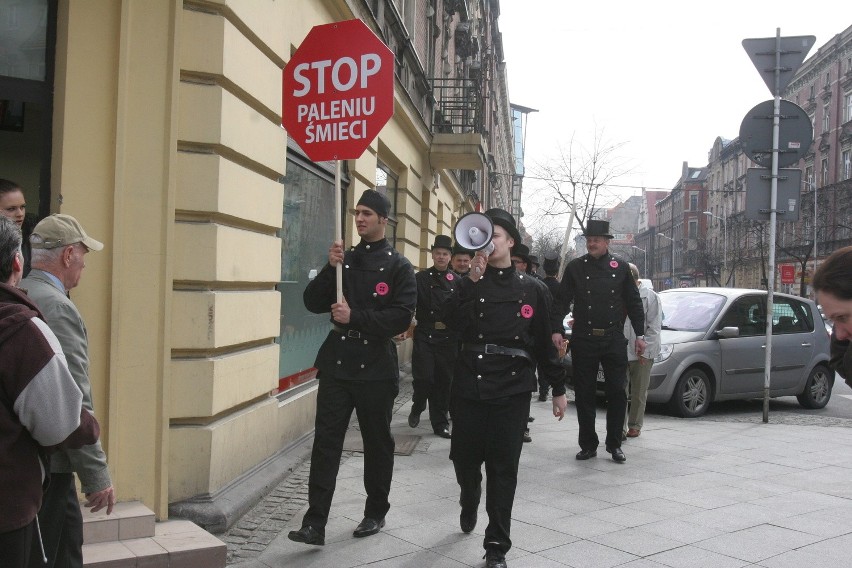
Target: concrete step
129	538
128	520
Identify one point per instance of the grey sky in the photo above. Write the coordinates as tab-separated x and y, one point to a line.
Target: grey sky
664	77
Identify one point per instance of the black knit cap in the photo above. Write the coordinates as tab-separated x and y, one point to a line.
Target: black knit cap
504	219
375	201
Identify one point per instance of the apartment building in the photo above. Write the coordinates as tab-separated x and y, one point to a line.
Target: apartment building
157	124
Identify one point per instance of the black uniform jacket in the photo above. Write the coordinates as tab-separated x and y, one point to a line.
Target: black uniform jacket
437	299
378	284
603	293
507	309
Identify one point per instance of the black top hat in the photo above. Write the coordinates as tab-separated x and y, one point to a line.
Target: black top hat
443	241
458	249
597	228
522	251
551	263
504	219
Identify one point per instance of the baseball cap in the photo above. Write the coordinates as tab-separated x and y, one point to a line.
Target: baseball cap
60	230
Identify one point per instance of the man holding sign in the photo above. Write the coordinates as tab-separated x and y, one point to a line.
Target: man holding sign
358	366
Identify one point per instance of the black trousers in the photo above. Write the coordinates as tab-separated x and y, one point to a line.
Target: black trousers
15	547
432	374
373	405
587	353
489	431
61	525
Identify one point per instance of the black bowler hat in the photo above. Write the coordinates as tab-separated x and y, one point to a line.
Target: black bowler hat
376	201
444	242
458	249
534	260
597	228
551	263
522	251
504	219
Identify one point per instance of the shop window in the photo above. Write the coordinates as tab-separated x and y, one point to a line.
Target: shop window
306	234
27	47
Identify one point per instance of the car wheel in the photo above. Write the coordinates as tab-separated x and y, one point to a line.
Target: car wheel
691	396
817	389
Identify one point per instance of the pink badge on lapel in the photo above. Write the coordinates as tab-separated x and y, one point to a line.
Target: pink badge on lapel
613	264
450	276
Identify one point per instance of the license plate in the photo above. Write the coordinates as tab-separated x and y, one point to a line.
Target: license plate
601	377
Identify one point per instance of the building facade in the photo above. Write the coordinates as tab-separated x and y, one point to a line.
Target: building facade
157	124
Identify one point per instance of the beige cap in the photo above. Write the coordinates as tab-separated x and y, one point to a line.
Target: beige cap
60	230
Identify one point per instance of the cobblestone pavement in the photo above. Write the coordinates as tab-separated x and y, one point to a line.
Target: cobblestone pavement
250	536
253	533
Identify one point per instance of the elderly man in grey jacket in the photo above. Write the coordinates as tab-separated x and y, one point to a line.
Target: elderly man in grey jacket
639	366
59	244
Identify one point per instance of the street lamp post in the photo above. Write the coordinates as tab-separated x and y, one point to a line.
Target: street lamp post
645	261
724	241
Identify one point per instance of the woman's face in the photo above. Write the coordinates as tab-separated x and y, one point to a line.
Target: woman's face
839	312
14	206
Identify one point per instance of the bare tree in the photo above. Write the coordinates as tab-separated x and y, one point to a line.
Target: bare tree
575	181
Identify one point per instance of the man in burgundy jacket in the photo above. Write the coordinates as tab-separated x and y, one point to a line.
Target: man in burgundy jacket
40	405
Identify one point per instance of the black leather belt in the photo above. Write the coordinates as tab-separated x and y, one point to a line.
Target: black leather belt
597	332
492	349
354	333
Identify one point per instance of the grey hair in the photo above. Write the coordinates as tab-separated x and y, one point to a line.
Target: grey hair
10	245
43	256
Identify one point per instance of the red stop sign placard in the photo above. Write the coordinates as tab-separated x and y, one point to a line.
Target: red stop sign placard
338	91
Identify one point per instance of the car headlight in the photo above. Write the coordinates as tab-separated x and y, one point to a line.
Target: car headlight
666	350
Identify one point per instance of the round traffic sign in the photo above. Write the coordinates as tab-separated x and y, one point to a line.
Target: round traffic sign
338	91
795	133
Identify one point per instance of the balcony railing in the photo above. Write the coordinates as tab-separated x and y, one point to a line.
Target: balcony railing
458	105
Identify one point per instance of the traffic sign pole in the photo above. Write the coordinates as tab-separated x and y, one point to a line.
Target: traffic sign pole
773	218
337	94
338	230
785	55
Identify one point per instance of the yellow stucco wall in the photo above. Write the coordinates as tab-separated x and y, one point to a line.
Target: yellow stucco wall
167	147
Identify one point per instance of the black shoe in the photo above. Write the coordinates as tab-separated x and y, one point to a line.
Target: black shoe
368	527
467	518
443	432
542	396
467	521
527	437
586	454
414	418
617	455
308	535
495	559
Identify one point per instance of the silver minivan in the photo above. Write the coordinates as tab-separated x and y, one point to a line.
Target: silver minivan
714	348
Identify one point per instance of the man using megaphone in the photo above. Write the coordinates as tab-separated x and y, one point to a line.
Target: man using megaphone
503	319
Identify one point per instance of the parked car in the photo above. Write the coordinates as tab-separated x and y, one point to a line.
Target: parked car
714	348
